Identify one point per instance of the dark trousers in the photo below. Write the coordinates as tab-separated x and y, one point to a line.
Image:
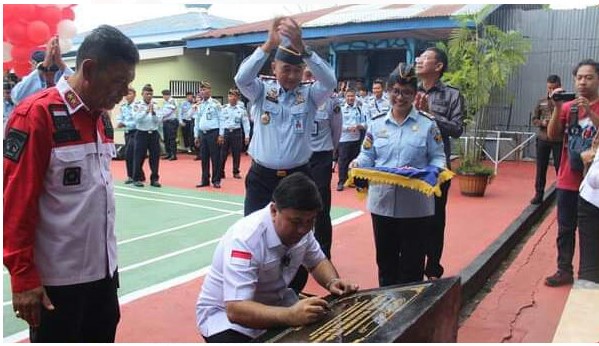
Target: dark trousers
86	312
567	215
233	141
588	228
228	336
399	248
210	153
188	134
347	152
170	127
436	237
544	150
130	156
320	165
261	182
147	141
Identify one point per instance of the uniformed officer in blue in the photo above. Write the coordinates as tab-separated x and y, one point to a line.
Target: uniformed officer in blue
170	124
209	135
147	119
8	104
49	69
401	216
378	104
325	139
234	116
354	120
283	109
126	120
186	121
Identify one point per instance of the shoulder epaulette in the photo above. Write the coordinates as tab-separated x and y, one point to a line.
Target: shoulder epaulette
265	77
307	82
427	115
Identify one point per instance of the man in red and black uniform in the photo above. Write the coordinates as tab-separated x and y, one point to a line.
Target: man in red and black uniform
59	239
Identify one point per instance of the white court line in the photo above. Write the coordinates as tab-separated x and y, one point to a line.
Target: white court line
176	228
177	202
178	196
163	286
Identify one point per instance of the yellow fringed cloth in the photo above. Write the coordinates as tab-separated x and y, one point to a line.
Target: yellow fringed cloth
427	181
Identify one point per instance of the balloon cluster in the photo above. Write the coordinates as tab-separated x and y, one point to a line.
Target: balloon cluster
27	27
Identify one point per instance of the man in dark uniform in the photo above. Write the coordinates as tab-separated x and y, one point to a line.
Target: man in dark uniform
59	237
545	146
445	105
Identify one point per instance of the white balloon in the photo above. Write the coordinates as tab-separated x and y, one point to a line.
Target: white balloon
65	45
6	47
66	29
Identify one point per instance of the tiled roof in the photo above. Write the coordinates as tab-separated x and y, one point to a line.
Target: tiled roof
347	14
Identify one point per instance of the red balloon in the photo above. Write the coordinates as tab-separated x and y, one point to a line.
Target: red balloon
50	14
10	12
6	66
26	12
68	13
22	69
38	32
16	32
21	53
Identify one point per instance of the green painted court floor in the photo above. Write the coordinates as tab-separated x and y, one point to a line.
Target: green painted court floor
164	236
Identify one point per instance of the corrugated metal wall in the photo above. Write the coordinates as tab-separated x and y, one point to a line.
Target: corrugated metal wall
560	39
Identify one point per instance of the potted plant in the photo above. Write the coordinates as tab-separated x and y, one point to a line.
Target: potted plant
481	59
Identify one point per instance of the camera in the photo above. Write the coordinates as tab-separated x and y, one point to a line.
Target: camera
563	96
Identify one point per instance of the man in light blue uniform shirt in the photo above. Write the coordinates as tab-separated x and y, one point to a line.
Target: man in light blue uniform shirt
48	70
170	125
209	135
354	121
378	104
8	105
283	109
234	116
147	120
126	120
326	132
186	121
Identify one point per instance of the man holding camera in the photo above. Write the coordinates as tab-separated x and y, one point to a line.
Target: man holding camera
577	118
545	146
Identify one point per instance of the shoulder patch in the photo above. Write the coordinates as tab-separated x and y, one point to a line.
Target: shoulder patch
265	77
14	143
427	115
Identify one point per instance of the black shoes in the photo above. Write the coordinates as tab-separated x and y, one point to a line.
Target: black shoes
216	185
560	278
138	184
172	158
237	176
340	187
156	184
129	181
203	185
537	199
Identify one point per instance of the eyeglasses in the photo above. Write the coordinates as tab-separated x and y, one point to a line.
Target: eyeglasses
404	93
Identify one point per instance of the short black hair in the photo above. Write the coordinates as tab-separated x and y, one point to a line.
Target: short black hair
147	87
166	92
554	79
379	81
404	74
441	57
297	191
107	45
585	62
131	89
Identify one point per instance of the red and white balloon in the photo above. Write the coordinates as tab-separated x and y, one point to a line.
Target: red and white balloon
28	27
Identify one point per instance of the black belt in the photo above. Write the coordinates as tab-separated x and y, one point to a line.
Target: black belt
232	130
261	170
148	131
209	131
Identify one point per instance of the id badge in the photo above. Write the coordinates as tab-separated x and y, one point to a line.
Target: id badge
298	125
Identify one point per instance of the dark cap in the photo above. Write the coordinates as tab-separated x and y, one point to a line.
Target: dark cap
38	56
234	91
289	55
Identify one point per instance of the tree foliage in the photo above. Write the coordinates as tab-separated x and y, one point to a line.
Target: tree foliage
482	58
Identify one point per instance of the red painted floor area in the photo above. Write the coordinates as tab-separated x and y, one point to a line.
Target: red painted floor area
472	224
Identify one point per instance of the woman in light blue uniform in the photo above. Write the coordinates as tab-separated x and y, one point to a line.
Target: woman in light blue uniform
400	216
